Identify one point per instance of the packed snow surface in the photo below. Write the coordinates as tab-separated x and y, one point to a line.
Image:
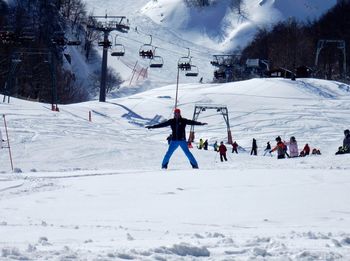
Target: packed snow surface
94	190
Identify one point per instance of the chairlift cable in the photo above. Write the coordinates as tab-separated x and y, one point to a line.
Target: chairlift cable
170	51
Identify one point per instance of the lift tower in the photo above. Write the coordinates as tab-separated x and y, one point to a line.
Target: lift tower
221	109
106	24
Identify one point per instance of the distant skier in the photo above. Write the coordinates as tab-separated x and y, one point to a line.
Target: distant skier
205	145
222	150
201	143
281	148
316	151
178	126
235	147
293	147
306	150
216	146
268	148
254	148
346	143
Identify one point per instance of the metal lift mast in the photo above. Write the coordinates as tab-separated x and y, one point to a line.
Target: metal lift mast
110	23
220	109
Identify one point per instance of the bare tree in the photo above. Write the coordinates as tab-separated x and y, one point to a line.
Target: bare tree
113	80
238	6
89	37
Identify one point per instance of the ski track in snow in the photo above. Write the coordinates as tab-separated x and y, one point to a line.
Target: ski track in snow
94	191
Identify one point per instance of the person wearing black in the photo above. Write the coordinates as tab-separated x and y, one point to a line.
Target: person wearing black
178	126
254	148
205	145
346	141
346	144
268	148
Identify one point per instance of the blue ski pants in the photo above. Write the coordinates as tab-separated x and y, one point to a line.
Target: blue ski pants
174	144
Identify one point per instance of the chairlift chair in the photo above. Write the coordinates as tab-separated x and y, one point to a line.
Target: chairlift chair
103	43
147	50
156	62
74	42
219	74
118	49
193	72
184	64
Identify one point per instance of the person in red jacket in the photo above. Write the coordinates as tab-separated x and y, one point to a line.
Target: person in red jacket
234	147
281	148
306	150
222	151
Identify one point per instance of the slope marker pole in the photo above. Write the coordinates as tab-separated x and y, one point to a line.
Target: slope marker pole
8	141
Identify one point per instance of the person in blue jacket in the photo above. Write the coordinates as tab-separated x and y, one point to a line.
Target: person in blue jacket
178	126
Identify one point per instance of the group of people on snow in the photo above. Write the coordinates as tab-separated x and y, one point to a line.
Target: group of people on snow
178	139
203	144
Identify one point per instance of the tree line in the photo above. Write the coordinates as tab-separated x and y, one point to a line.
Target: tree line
34	35
290	44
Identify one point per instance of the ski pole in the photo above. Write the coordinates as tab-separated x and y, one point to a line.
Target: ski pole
8	141
216	156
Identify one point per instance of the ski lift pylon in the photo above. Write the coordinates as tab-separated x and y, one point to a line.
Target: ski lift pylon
103	43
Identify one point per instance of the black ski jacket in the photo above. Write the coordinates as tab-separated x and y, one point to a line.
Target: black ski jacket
177	126
346	141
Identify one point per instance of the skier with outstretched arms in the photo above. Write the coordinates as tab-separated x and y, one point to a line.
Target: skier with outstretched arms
178	126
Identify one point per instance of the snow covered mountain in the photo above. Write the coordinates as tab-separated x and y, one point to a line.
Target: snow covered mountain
175	28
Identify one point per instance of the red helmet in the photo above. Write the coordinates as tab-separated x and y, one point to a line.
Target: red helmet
177	110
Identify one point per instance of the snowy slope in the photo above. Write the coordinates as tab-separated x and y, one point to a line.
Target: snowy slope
260	108
175	28
95	191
